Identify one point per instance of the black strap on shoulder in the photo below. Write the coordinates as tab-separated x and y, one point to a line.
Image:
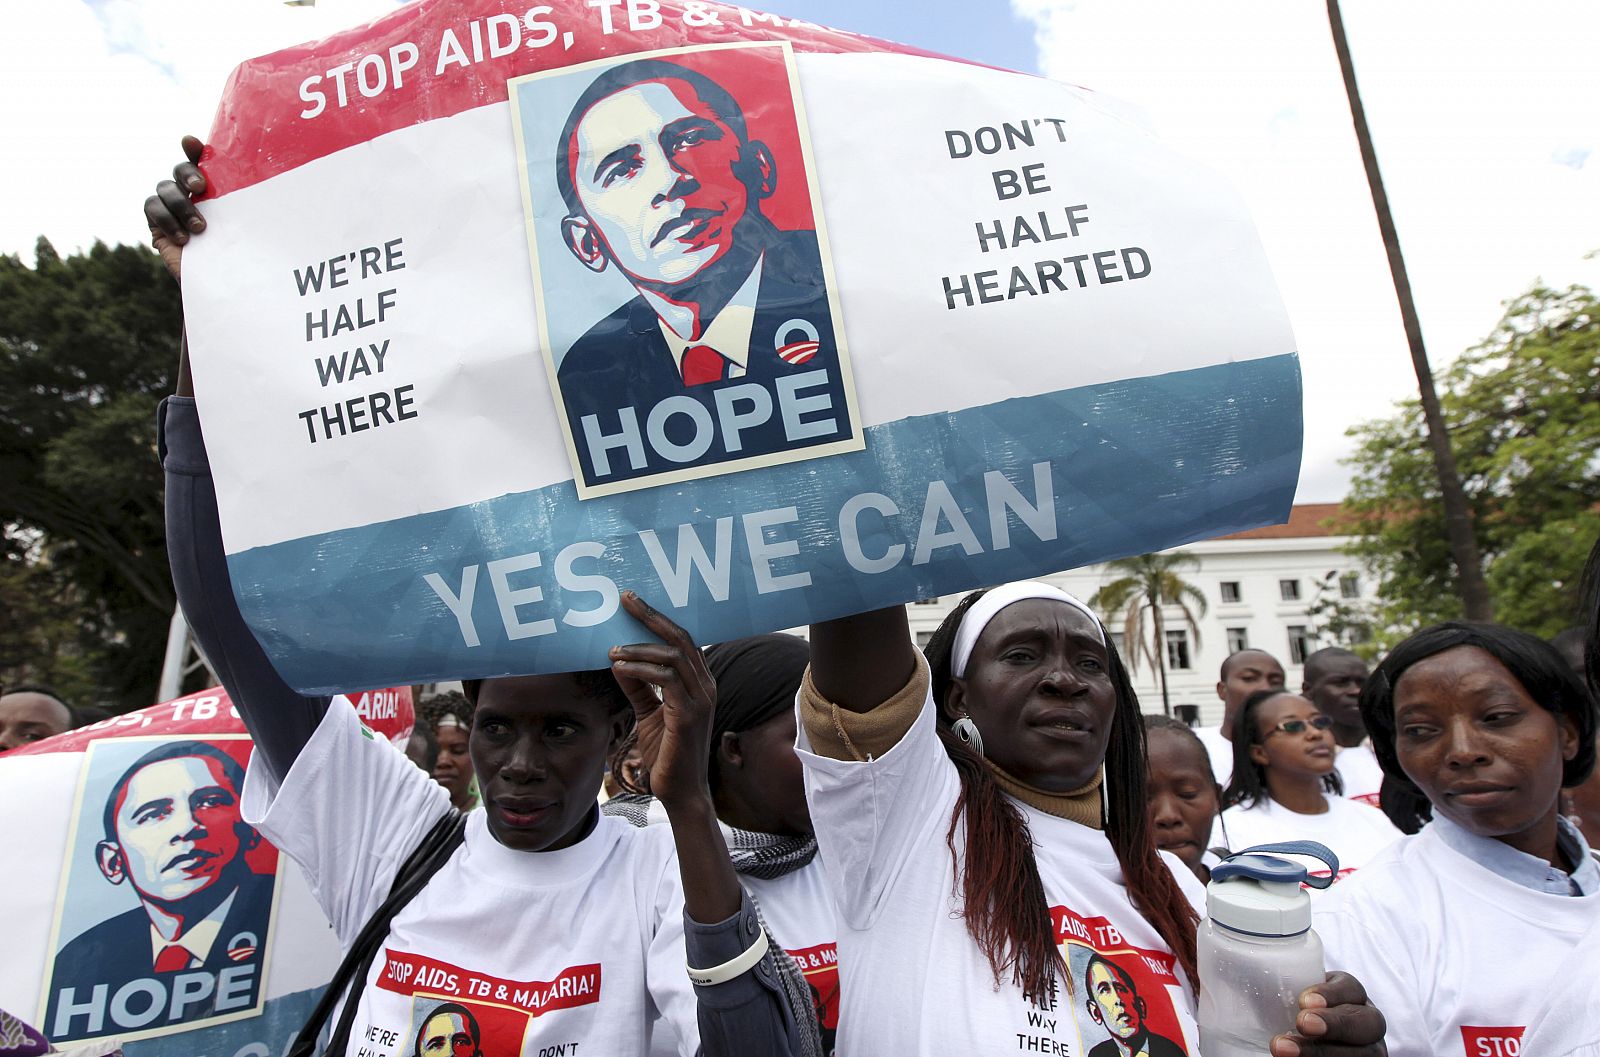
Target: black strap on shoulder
437	845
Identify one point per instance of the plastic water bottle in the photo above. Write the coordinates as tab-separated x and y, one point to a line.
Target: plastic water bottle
1257	949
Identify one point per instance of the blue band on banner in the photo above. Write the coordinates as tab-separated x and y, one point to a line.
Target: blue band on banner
266	1035
936	504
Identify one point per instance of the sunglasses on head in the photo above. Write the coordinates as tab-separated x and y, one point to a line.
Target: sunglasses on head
1298	726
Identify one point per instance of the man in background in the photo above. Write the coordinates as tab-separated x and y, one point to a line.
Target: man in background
1242	674
32	713
1334	678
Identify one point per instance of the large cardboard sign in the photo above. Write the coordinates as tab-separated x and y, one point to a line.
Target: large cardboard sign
505	309
151	913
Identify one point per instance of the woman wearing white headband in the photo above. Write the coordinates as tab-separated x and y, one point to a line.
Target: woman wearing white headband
982	816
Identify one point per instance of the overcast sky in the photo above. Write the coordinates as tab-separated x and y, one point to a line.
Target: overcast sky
1486	117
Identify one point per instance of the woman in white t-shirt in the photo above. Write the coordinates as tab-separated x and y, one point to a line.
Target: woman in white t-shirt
1481	933
1182	793
982	816
548	926
760	798
1284	785
760	795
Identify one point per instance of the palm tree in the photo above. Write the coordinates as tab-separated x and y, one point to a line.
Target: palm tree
1148	582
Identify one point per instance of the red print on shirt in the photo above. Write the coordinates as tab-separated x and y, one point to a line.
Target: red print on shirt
1119	995
820	966
1491	1042
457	1012
414	974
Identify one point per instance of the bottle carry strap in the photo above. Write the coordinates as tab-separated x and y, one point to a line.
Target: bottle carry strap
1228	868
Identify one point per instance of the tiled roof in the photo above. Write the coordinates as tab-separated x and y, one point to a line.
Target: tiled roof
1305	520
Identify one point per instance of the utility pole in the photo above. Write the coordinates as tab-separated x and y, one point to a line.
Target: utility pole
182	658
1459	531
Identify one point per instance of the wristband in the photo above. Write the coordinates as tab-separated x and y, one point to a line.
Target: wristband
721	974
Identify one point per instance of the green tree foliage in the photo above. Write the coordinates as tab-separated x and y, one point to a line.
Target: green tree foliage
1335	620
87	347
1523	411
1144	584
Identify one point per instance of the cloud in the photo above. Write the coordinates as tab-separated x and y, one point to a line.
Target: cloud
1482	117
1571	157
97	96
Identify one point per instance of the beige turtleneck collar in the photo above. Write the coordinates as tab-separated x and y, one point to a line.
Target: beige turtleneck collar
1081	805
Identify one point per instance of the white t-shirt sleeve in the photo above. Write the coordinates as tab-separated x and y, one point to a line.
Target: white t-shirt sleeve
1383	964
870	815
349	811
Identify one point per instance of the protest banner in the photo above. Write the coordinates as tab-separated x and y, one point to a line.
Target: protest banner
149	912
503	309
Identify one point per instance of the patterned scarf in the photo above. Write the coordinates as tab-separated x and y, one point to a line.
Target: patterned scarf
768	856
765	856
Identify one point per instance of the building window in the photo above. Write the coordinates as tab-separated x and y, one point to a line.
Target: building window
1349	586
926	602
1117	641
1289	590
1299	644
1238	639
1230	590
1178	649
923	638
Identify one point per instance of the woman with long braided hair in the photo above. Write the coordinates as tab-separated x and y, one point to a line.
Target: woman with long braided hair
982	816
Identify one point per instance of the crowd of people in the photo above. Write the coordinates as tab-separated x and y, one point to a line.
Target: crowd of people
848	845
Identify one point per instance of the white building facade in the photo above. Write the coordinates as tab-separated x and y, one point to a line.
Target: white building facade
1258	586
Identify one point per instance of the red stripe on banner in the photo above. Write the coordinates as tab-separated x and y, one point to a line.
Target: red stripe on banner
433	59
388	712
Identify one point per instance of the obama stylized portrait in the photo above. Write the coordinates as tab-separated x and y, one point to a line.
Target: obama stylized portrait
725	350
192	947
449	1030
1114	1003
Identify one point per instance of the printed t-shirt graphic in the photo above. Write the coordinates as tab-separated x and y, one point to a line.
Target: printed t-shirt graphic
679	184
451	1005
543	951
912	979
820	967
169	893
1491	1042
1122	998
